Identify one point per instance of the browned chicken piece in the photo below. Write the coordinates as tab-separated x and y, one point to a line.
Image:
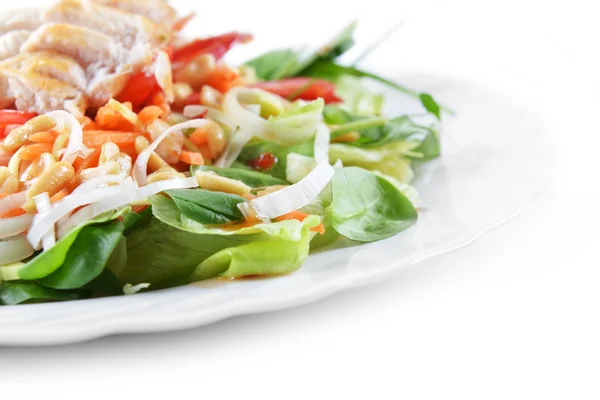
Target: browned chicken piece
11	42
50	64
20	19
34	92
158	11
126	28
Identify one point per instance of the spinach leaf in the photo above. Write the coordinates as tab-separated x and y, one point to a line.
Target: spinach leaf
251	178
253	150
275	64
87	256
366	207
206	207
106	283
285	63
49	261
430	105
18	292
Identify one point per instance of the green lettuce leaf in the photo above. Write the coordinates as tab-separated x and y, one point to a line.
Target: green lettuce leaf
358	100
251	178
390	159
274	256
207	207
254	149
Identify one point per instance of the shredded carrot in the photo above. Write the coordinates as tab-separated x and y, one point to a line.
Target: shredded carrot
89	124
110	119
33	151
159	99
199	137
120	138
88	162
191	157
58	196
3	195
182	22
205	151
43	137
300	216
139	209
15	212
150	114
224	78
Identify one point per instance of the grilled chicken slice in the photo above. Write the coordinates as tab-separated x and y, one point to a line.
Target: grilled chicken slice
126	28
11	42
34	92
158	11
50	64
20	19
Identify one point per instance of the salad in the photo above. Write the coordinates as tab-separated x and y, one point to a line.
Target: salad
148	162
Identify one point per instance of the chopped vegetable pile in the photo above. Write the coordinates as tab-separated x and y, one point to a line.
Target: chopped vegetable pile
239	172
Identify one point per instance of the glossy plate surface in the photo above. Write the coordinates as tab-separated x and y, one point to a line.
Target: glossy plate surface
490	169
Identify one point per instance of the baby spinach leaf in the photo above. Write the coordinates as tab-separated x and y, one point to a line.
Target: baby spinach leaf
87	256
206	207
251	178
19	292
366	207
106	283
49	261
276	64
430	104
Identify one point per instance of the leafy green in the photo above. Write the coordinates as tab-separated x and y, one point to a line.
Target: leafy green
284	63
389	159
86	257
430	105
366	207
207	207
251	178
275	64
49	261
268	257
106	283
166	249
19	292
357	99
253	150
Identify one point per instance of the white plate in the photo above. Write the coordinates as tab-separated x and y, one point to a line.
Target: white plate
489	170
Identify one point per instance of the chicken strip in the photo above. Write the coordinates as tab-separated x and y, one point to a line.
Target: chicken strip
20	19
158	11
11	42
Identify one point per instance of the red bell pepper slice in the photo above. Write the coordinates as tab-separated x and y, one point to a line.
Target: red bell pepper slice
137	90
14	117
301	88
216	45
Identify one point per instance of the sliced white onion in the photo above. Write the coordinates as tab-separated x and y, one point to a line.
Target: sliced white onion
234	148
292	197
97	182
43	205
141	165
129	194
41	224
235	103
13	249
15	225
130	289
75	148
195	111
322	139
164	75
12	201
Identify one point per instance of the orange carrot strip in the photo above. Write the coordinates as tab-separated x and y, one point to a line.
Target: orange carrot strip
199	137
159	99
98	138
43	137
15	212
33	151
3	195
89	124
150	114
300	216
110	119
58	196
88	162
191	157
205	151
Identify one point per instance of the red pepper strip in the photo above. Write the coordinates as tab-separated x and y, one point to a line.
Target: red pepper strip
216	45
301	88
10	117
137	90
263	161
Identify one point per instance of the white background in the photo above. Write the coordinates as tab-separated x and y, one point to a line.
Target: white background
514	316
